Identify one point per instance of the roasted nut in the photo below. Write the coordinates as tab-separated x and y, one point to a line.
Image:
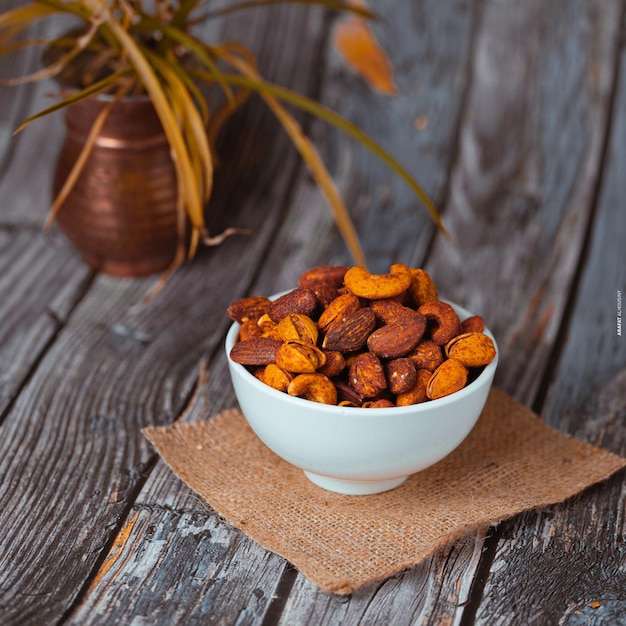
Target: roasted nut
472	349
389	310
374	286
340	308
335	364
250	308
268	327
346	394
443	321
449	377
366	375
315	387
275	377
383	403
422	289
299	300
324	274
299	358
426	355
249	329
473	324
401	375
325	294
297	327
417	393
351	333
257	372
255	351
398	339
376	339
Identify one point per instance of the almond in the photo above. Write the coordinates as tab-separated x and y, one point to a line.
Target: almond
397	339
350	333
255	351
250	308
302	301
324	274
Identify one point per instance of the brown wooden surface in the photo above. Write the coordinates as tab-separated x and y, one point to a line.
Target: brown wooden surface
524	150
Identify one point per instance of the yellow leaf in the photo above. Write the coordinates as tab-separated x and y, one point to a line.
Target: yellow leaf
360	51
311	158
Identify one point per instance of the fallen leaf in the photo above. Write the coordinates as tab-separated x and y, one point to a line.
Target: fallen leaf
360	51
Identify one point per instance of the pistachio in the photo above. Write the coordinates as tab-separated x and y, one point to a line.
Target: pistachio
338	310
472	349
298	327
276	377
449	377
299	358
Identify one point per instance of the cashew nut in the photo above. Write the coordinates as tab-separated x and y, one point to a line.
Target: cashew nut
315	387
362	283
443	320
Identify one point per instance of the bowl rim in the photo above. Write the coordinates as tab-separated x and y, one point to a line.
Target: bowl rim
424	407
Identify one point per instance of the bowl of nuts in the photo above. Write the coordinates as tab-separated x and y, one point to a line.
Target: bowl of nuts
360	379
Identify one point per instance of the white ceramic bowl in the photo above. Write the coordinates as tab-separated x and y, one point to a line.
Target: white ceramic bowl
353	450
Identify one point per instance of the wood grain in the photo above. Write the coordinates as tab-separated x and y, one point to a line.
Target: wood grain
503	114
507	85
72	456
581	541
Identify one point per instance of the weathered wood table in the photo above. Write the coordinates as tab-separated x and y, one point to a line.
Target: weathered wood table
513	117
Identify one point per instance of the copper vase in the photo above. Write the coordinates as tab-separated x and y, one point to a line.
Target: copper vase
121	214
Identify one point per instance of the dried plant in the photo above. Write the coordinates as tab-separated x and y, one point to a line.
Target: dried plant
123	47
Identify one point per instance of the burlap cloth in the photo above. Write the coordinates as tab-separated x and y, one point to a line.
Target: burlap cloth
512	461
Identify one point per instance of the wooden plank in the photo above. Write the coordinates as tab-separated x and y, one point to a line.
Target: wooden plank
41	279
27	160
309	239
522	192
112	593
429	48
470	269
411	597
176	559
582	541
72	457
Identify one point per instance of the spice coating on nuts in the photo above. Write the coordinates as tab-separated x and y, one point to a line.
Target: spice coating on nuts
347	337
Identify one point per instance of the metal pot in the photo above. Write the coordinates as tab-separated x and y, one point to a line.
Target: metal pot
121	214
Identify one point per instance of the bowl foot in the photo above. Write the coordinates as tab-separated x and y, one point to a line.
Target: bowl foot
354	487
